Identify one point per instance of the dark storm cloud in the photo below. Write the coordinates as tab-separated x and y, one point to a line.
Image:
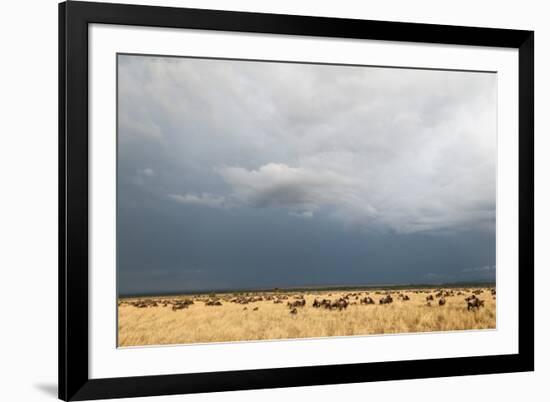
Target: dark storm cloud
243	174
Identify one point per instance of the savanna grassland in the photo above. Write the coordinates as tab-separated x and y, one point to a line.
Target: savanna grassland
249	316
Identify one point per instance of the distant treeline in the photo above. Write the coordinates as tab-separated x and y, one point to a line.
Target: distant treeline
317	288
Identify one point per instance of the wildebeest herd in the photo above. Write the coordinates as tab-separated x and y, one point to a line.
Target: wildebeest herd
243	315
294	301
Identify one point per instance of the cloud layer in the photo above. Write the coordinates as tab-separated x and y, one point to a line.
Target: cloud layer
411	150
356	149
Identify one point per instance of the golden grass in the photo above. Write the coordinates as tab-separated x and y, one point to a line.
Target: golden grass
231	322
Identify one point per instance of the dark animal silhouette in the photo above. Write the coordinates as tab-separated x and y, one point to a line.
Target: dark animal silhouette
474	304
386	300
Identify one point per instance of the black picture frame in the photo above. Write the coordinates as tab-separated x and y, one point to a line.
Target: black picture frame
74	18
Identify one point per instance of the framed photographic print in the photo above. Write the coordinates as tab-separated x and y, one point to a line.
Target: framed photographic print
257	200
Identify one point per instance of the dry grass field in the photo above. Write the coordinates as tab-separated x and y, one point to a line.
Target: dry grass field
280	315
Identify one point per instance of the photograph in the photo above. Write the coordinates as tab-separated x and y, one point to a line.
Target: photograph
276	199
270	200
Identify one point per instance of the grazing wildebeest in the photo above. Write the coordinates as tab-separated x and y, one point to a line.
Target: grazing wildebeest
144	303
255	309
386	300
294	311
326	303
297	303
430	297
316	303
367	300
340	304
406	298
474	303
442	301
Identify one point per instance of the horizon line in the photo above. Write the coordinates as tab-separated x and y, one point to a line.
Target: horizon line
308	287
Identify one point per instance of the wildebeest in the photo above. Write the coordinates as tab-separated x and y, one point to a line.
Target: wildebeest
367	300
255	309
296	303
326	303
442	301
474	303
429	297
144	303
294	311
340	304
179	304
386	300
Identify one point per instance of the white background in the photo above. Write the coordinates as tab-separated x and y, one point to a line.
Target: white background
28	179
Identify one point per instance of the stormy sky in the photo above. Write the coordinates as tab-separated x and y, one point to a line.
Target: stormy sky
245	174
